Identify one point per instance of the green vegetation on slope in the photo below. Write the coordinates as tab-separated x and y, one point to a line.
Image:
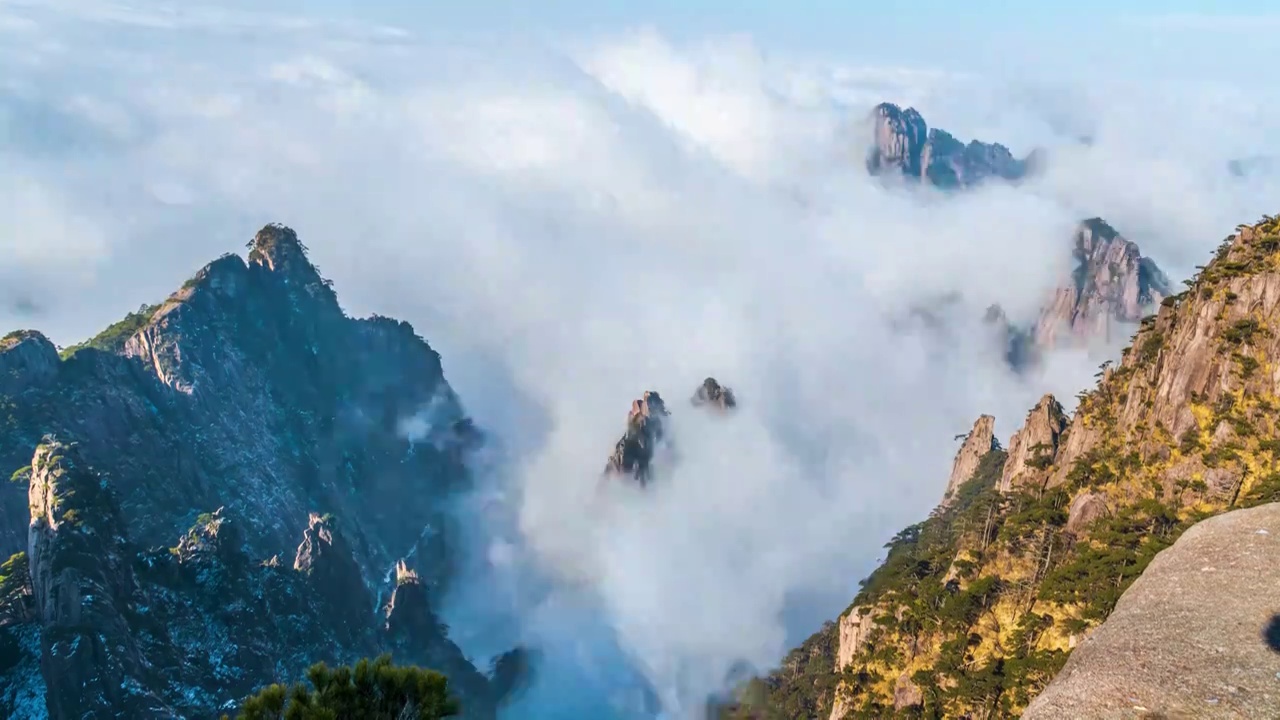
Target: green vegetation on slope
15	589
975	609
112	339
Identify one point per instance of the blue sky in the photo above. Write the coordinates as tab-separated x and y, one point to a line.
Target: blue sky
1179	36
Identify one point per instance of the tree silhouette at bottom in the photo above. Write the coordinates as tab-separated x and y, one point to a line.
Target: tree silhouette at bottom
372	690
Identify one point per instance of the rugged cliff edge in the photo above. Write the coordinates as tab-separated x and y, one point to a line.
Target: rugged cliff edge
1196	636
978	607
173	459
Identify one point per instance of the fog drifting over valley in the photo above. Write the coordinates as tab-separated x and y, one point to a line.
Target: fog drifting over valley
570	224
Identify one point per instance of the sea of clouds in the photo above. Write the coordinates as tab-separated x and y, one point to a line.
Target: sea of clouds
573	223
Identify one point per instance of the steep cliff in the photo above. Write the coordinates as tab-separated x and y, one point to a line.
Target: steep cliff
1032	448
979	606
904	144
244	412
1110	288
980	441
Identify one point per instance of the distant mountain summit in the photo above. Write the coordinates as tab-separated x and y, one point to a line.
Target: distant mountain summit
1111	284
903	144
1110	287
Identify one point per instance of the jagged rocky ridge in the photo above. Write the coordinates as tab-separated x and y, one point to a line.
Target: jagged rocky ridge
975	609
904	144
170	463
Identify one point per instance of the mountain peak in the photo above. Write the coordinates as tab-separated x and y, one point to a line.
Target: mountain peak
902	142
712	393
26	358
979	441
1111	283
634	451
278	248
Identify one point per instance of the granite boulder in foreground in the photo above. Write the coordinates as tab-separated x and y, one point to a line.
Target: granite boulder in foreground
1196	636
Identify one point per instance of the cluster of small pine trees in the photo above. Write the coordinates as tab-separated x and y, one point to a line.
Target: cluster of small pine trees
371	690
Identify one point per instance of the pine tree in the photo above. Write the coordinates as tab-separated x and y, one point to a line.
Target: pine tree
372	690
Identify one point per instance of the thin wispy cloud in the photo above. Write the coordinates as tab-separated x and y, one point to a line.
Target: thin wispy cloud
573	225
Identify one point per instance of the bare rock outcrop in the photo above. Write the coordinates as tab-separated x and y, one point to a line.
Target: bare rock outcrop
855	627
635	450
980	441
1196	636
906	693
853	630
27	358
1110	288
84	586
329	564
1085	509
904	144
1033	447
416	635
714	395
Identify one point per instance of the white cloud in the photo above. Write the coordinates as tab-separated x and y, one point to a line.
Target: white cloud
573	228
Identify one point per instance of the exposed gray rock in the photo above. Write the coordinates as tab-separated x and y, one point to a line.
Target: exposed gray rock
27	359
854	629
902	143
712	394
980	441
84	584
635	450
1085	509
1196	636
906	693
1033	447
1111	287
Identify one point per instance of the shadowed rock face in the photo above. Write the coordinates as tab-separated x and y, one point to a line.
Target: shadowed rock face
712	394
645	430
903	144
250	393
417	636
27	359
1189	638
84	586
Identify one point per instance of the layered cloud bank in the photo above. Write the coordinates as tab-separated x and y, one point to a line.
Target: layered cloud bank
571	226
